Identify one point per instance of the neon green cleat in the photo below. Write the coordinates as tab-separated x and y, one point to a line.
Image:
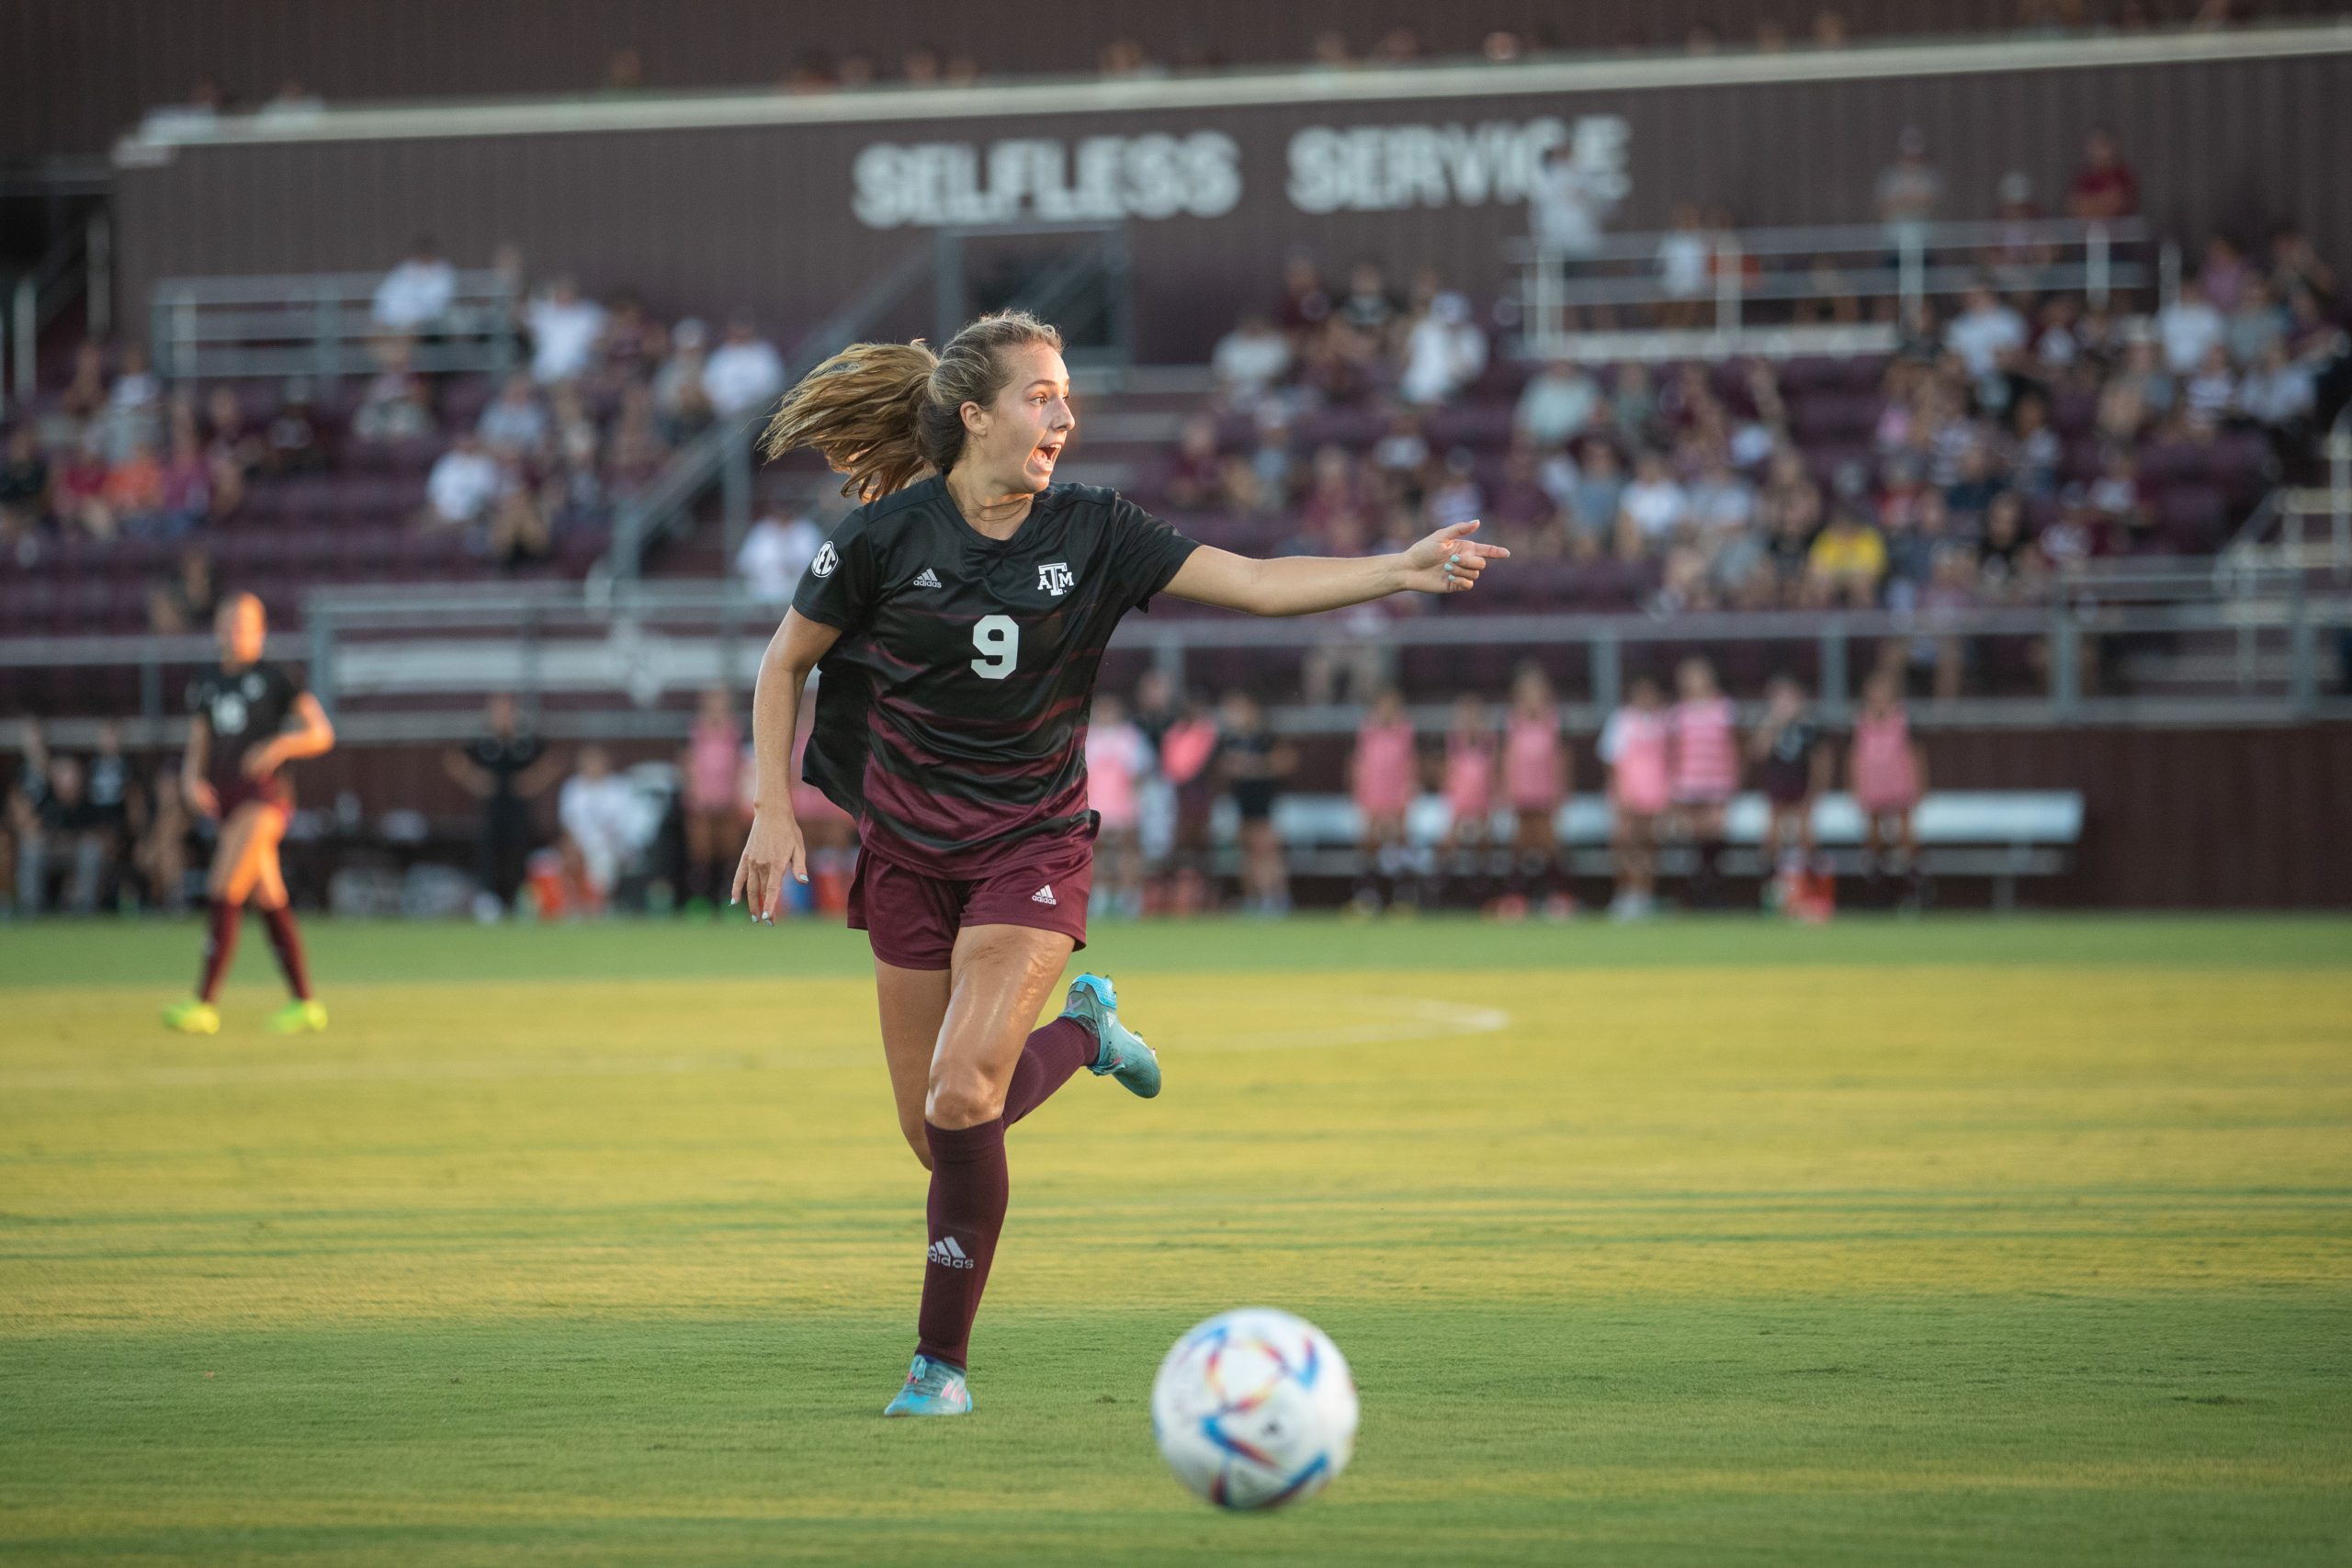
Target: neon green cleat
194	1016
298	1018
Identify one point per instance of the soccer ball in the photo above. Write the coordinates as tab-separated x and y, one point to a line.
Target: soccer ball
1255	1409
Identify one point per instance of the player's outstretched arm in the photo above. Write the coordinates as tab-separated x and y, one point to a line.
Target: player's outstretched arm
774	849
1448	561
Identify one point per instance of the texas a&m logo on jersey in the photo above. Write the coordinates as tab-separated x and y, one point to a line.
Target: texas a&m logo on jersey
1054	577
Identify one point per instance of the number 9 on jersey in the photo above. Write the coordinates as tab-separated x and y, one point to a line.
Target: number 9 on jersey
999	639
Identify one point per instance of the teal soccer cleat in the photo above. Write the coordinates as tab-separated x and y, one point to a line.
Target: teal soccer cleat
933	1387
1119	1051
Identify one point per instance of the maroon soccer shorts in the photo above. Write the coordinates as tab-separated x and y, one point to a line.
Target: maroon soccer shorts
273	791
911	919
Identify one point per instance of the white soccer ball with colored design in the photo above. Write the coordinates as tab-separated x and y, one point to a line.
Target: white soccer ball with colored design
1255	1409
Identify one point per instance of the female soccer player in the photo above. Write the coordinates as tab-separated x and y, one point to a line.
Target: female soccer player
1385	775
250	720
1469	788
1635	743
1706	768
959	616
1538	773
1792	764
1888	774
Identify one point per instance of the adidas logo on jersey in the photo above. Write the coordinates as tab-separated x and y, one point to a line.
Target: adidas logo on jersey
927	579
947	1254
1043	896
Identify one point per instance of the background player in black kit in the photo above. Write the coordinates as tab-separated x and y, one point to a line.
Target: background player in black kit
958	618
248	719
505	767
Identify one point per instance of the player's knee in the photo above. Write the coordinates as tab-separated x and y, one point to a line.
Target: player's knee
962	1097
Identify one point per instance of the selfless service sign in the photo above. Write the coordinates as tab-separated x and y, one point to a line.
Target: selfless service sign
1370	168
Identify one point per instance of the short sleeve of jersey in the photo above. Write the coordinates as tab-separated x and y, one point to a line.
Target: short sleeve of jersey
838	589
290	685
1145	553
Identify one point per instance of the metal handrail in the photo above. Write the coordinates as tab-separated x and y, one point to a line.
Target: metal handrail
320	324
1906	261
2254	548
670	496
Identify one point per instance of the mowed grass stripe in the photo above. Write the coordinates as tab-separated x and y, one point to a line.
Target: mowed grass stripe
163	954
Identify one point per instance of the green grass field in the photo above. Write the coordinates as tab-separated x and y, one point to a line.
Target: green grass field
1955	1241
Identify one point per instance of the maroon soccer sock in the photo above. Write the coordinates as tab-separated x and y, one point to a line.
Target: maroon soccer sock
1051	1056
968	1187
288	943
222	924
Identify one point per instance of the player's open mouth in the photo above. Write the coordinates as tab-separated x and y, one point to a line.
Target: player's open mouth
1046	453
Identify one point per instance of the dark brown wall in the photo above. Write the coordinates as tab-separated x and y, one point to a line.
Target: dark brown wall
76	73
704	220
2182	819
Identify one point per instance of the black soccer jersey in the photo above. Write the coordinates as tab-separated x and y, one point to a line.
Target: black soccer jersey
951	716
245	708
1787	772
504	758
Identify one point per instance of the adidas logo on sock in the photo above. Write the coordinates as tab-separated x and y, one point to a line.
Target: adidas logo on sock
947	1254
927	579
1043	896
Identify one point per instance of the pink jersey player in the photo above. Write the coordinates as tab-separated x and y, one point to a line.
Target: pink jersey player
712	749
1706	750
1387	762
1470	767
1888	775
1531	770
1385	776
1637	744
1705	772
1117	757
1886	766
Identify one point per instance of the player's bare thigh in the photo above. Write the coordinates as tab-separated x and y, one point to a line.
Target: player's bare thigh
246	862
1002	975
914	1004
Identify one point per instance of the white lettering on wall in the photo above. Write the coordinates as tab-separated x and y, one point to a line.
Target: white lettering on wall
936	183
1380	168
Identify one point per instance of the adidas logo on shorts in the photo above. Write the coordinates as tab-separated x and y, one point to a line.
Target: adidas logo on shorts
947	1254
927	579
1043	896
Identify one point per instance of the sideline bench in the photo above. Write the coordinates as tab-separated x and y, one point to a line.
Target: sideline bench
2000	835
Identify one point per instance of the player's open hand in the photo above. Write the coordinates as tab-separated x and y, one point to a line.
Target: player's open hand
774	849
1449	560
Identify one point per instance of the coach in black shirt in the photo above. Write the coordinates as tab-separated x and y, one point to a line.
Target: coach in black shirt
505	767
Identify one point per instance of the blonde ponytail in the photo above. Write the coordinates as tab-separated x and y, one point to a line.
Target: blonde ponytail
886	414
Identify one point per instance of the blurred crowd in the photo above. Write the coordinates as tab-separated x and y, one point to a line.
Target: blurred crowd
1959	490
602	398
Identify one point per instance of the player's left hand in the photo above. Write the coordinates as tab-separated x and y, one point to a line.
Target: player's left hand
261	761
1449	560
